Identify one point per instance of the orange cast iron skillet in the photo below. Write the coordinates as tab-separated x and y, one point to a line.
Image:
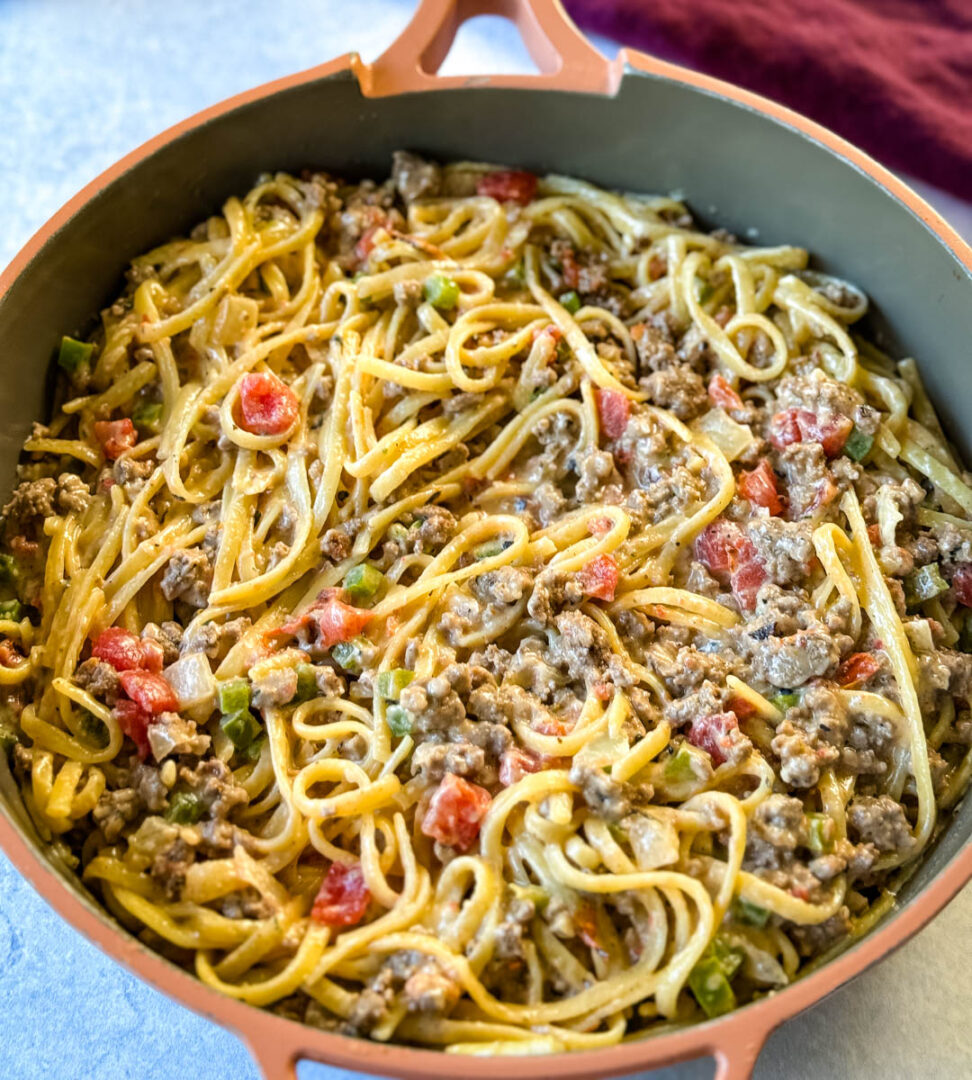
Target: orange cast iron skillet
635	123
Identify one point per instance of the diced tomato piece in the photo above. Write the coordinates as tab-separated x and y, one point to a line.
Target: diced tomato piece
599	578
9	656
801	425
724	549
715	543
759	487
747	577
790	426
713	734
516	763
508	185
600	526
723	394
455	812
336	621
366	243
857	669
657	267
549	725
340	622
115	436
874	534
153	656
343	897
134	722
118	647
126	652
824	495
962	585
613	410
149	691
267	405
741	707
833	434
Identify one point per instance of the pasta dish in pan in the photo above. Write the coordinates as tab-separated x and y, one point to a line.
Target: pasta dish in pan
486	611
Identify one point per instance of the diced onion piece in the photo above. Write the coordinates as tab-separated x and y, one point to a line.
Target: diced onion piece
601	751
161	741
192	679
731	438
920	635
654	841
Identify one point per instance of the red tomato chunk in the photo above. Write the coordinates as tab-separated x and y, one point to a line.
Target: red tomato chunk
336	621
455	812
267	405
742	708
801	425
125	652
857	669
599	578
962	584
512	185
725	550
613	410
759	487
722	394
714	735
714	545
343	897
115	436
149	691
134	722
516	763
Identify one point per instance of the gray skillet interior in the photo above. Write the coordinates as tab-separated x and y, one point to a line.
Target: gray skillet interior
735	167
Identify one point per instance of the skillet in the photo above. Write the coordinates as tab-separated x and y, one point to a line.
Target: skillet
635	123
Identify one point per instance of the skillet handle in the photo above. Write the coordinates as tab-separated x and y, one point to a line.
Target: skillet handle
737	1052
566	59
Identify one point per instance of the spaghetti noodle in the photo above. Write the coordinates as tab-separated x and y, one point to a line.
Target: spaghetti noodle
486	612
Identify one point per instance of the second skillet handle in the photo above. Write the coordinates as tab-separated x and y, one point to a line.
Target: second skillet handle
566	59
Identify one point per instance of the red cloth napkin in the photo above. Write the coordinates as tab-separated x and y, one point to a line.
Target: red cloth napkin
892	76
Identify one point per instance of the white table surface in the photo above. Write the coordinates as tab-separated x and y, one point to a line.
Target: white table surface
81	83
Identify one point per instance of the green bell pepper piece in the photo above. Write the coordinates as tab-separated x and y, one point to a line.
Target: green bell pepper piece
392	683
347	655
73	354
923	584
398	720
749	913
184	808
570	301
820	833
679	768
858	445
441	292
362	583
241	728
306	683
234	696
11	609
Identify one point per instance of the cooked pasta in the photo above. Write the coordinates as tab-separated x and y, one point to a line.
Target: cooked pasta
486	611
